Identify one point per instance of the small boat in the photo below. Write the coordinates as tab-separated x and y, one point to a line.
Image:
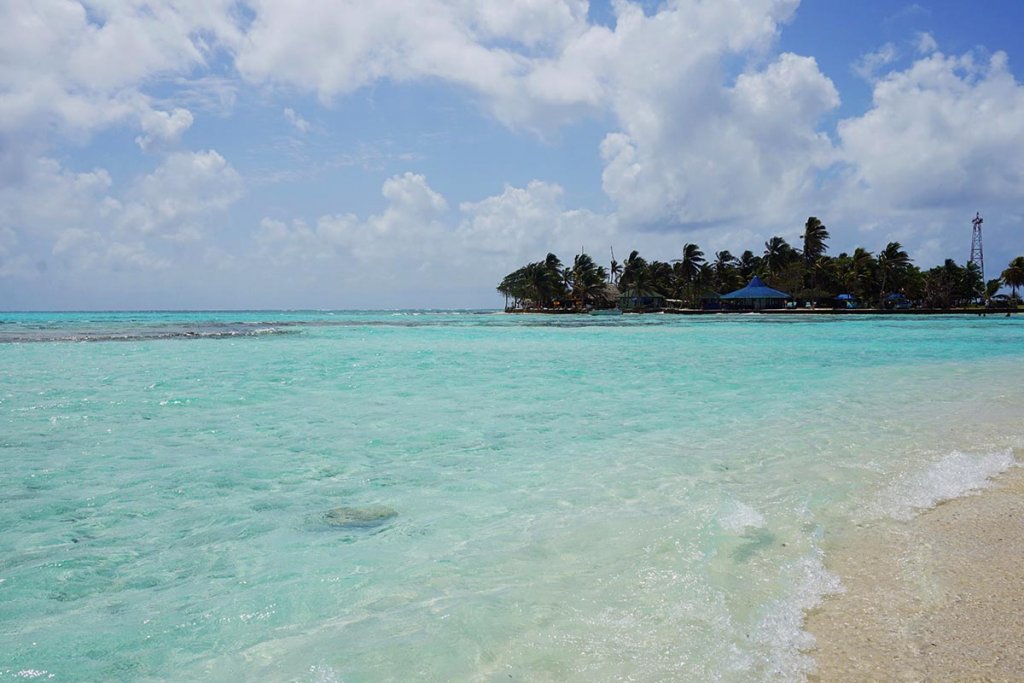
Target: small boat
605	311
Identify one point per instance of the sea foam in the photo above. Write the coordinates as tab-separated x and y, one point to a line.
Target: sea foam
781	629
953	476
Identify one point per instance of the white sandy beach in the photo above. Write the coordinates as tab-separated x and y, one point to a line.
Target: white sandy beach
938	598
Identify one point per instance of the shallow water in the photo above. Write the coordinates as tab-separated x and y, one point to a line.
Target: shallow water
574	498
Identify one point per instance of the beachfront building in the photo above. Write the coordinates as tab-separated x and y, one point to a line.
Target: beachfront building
711	301
631	301
756	296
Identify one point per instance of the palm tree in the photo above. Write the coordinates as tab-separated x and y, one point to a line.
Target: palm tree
633	266
777	255
726	270
1013	276
749	264
543	283
615	272
815	239
892	264
704	281
514	286
858	277
585	280
641	284
556	279
689	265
552	263
635	277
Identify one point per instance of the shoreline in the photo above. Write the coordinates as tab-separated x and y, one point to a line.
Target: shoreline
938	597
980	312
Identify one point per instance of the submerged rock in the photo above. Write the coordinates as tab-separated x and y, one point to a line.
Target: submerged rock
371	515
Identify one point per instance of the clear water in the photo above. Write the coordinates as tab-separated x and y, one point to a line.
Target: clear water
577	498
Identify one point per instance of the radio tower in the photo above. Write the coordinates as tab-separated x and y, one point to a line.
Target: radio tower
977	254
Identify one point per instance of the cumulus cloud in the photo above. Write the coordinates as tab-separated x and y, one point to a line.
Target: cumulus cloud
47	198
76	70
415	242
83	222
161	127
943	138
522	222
335	49
408	225
187	186
946	130
753	152
531	63
92	251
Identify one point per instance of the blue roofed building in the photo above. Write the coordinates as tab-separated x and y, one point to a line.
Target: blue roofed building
756	296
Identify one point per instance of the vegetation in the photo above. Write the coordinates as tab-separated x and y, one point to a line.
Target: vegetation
808	273
1013	276
547	284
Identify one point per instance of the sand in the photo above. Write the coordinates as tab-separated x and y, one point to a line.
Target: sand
938	598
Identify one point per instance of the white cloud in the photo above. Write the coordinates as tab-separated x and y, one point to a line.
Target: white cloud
298	123
944	131
413	244
161	127
186	187
524	223
749	150
709	131
75	70
926	43
868	66
334	49
534	63
47	198
944	138
408	227
89	225
91	251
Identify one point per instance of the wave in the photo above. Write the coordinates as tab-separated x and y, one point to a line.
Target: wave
42	336
781	632
955	475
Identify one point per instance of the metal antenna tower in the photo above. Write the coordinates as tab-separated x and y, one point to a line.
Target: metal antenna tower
977	255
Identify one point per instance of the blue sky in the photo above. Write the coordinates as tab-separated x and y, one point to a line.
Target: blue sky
264	154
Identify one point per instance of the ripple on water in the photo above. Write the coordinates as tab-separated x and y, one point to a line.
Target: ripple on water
464	497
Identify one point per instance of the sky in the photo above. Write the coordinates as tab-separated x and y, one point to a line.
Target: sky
265	154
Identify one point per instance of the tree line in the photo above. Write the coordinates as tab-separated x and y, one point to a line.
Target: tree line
808	273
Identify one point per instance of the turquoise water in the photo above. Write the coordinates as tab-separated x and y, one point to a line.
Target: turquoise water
575	498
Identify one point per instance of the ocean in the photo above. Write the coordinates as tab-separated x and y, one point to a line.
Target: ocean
466	495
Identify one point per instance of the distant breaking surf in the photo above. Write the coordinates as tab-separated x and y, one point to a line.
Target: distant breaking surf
144	334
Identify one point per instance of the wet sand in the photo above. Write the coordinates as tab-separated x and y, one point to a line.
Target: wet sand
938	598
